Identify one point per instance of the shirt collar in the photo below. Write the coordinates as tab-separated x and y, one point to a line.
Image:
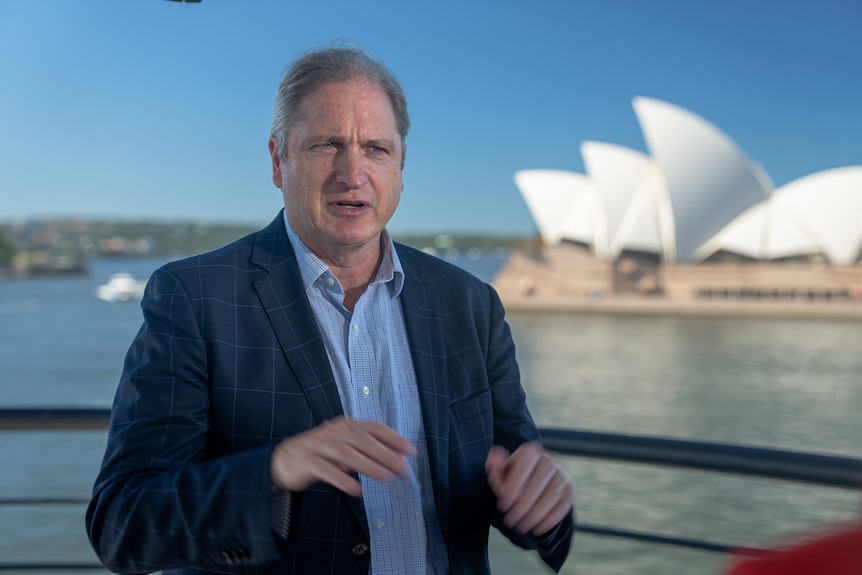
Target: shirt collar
312	267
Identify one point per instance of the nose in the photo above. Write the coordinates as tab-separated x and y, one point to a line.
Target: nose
350	169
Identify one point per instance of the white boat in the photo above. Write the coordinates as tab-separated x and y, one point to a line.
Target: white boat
121	287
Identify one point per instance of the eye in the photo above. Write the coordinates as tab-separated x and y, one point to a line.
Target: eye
326	147
378	149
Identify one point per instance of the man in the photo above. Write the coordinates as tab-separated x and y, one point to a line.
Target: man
314	398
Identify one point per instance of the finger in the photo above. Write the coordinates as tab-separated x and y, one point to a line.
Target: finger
538	473
338	477
495	466
385	439
518	470
372	449
537	494
365	447
552	519
332	450
299	461
550	508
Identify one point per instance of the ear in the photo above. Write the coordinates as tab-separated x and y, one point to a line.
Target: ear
275	154
403	155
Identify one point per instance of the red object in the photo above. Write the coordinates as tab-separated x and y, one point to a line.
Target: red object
832	553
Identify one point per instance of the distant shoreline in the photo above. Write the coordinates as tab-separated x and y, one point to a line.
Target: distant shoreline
847	311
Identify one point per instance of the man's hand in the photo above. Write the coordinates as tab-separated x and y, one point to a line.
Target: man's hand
533	494
334	449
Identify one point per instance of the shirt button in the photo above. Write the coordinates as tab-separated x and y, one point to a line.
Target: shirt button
330	281
356	327
365	390
380	524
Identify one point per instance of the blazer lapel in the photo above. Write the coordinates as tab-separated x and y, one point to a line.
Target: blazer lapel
283	298
428	352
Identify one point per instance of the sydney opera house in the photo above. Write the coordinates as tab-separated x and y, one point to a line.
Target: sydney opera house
693	219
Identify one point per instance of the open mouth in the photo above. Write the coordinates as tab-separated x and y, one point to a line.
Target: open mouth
350	204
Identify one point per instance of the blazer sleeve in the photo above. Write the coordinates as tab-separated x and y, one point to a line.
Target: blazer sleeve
513	426
163	497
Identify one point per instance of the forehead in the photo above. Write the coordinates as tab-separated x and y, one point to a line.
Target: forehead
343	104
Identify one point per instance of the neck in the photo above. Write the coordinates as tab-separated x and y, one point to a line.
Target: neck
354	280
356	271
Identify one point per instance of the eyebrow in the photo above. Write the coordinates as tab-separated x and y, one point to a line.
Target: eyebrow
323	137
384	143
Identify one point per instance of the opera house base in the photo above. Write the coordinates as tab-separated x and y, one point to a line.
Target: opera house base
568	277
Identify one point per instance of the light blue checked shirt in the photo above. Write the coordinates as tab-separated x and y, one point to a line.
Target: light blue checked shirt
370	359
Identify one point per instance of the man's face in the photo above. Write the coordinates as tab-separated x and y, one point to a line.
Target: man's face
341	177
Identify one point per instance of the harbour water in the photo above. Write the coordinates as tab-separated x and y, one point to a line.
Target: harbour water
774	382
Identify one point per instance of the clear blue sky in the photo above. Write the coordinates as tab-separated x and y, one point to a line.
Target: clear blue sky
150	109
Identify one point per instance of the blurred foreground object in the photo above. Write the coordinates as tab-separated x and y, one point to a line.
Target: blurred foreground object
837	552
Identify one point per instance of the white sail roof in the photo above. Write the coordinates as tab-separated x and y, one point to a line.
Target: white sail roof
562	204
631	197
768	230
818	214
830	205
698	193
709	180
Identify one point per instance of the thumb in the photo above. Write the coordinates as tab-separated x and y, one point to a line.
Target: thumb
496	461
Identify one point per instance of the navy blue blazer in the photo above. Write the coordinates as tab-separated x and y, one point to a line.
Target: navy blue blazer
229	361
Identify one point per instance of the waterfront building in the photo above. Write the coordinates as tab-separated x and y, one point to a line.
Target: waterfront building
695	218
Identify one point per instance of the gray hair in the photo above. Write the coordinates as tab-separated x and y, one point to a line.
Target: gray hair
340	62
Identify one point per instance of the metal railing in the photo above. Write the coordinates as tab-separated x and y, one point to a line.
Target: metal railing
826	470
817	469
811	468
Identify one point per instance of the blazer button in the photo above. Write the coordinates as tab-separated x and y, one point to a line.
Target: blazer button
360	549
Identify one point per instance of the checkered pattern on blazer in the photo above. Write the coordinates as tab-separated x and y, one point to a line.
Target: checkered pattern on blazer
229	361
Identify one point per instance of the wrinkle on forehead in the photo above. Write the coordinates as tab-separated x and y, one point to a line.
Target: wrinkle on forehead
327	113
